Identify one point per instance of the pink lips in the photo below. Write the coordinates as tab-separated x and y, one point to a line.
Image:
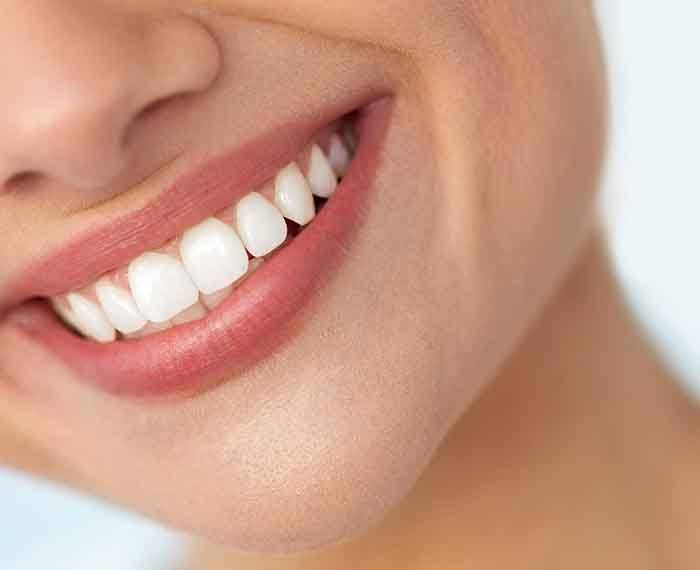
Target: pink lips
258	317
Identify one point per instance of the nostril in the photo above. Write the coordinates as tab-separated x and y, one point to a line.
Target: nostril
157	105
21	180
147	113
152	108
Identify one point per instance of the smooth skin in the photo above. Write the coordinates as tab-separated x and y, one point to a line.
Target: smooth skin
469	391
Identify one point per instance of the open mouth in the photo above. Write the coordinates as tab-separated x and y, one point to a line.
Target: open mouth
198	270
224	290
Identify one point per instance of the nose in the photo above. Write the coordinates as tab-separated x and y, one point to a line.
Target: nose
78	78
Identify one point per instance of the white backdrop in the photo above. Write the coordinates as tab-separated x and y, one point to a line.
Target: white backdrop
652	203
652	199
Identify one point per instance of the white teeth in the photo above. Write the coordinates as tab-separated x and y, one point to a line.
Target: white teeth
213	255
195	273
161	287
322	179
293	195
260	224
119	307
65	312
338	155
89	319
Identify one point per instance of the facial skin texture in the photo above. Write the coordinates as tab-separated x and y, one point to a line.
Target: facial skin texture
485	195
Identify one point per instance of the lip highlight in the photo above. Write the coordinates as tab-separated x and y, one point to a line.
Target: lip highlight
264	311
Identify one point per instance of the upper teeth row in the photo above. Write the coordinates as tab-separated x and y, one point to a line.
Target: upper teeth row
196	271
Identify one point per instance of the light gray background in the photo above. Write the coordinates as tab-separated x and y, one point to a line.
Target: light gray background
651	206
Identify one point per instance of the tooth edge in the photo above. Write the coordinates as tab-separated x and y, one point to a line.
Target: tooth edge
143	277
293	196
90	320
211	239
253	212
119	307
322	179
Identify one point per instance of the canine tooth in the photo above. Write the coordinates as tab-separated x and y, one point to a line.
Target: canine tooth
293	195
322	179
213	255
119	307
161	287
89	319
260	224
194	313
338	155
64	311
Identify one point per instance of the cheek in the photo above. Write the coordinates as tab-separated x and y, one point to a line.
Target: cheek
547	153
417	28
518	122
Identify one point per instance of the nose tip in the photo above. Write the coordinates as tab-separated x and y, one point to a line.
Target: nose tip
80	82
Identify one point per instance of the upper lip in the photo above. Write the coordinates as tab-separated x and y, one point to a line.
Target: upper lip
213	186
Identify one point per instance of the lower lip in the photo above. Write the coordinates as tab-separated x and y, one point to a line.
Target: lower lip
256	320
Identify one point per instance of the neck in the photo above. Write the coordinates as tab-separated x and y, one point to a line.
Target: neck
582	454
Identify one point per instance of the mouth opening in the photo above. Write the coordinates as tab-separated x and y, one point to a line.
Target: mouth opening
187	278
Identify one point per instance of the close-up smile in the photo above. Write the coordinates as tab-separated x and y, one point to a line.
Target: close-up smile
326	285
199	269
222	289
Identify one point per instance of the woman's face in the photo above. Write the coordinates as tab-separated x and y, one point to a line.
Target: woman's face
300	407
